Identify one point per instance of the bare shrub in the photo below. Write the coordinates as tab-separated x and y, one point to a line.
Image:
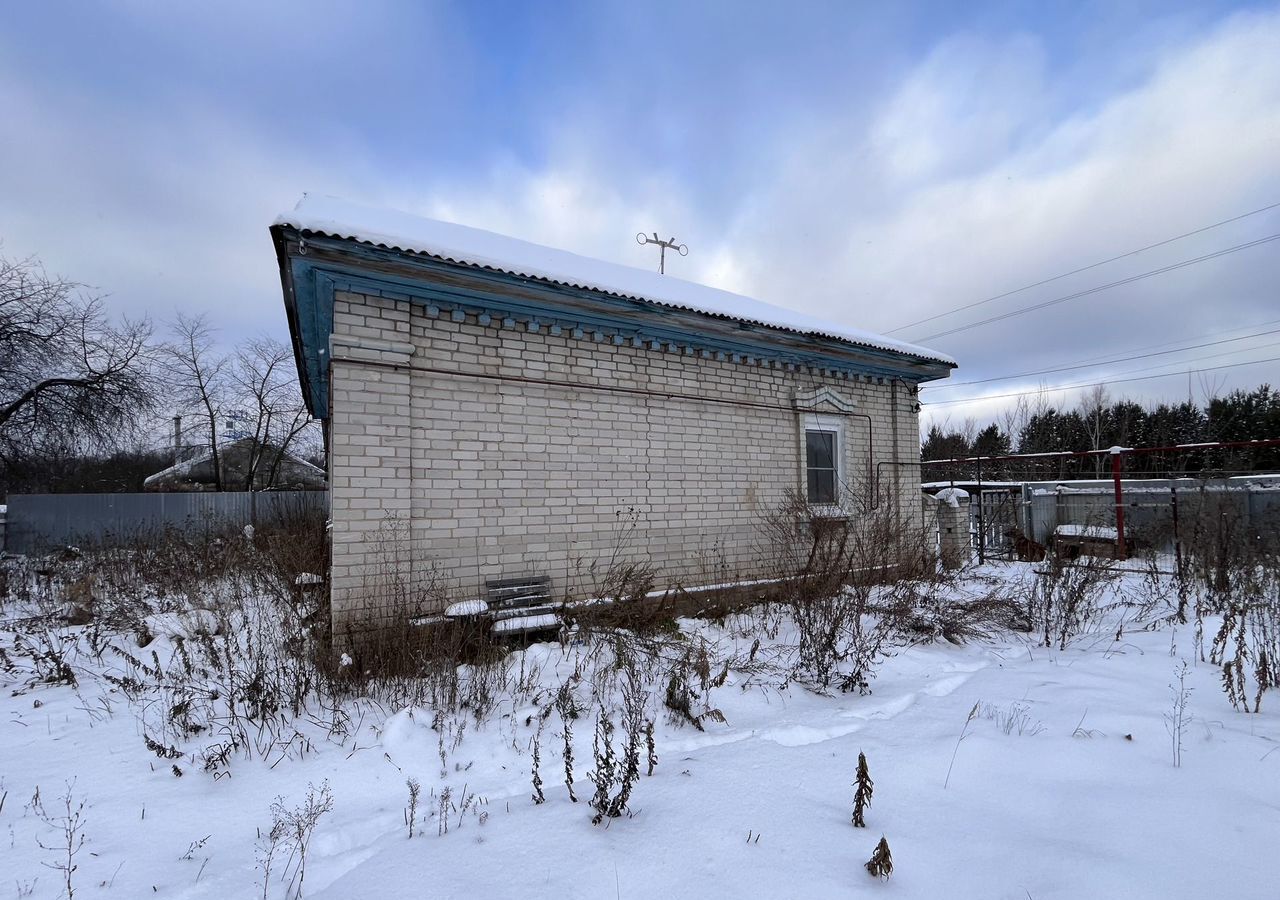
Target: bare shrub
651	757
69	826
624	580
940	608
610	770
1157	595
637	612
625	574
239	686
1177	720
830	573
1235	566
1217	539
49	655
247	655
293	543
1247	644
1064	601
290	835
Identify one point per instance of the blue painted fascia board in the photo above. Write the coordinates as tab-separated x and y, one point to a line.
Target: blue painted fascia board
315	281
313	290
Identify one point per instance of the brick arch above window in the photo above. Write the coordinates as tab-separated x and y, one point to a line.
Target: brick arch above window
825	396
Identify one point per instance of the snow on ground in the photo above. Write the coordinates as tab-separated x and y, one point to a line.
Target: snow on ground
1063	786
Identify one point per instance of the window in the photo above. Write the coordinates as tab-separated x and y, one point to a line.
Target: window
821	456
824	453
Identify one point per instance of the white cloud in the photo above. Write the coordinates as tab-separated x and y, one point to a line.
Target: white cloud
943	200
967	179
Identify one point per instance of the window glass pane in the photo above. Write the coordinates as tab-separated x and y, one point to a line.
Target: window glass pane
821	449
822	486
820	463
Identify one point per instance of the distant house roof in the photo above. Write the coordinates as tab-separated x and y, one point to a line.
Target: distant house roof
196	473
319	243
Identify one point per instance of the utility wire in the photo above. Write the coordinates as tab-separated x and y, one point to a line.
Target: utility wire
1187	364
1086	268
1107	357
1107	383
1102	287
1094	364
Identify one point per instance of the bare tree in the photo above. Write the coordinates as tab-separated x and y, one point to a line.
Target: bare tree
1093	405
1015	419
200	377
67	374
271	396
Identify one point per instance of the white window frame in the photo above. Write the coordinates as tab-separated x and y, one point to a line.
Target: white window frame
829	424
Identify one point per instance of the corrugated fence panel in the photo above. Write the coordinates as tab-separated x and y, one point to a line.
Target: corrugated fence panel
37	522
1148	506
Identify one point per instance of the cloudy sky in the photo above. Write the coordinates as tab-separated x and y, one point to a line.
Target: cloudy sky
875	164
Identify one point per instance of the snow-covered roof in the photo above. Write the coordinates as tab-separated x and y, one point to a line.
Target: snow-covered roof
986	485
186	468
473	246
952	496
1103	532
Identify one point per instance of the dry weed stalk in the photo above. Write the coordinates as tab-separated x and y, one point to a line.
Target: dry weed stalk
862	796
880	864
291	830
1064	601
610	770
1176	721
411	811
964	732
69	826
538	796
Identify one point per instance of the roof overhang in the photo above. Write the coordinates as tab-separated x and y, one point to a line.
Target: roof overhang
314	267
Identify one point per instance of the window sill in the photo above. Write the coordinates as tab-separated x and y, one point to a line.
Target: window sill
827	511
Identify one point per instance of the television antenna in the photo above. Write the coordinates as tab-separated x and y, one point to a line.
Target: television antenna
663	246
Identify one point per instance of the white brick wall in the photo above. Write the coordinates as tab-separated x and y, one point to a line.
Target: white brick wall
453	461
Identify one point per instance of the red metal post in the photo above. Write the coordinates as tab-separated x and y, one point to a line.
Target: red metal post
1116	467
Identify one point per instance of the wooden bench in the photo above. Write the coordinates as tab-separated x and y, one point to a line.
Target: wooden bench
511	606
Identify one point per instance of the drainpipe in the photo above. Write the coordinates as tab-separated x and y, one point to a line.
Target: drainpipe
895	454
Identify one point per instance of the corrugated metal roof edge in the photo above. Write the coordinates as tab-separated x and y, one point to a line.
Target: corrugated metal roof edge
586	286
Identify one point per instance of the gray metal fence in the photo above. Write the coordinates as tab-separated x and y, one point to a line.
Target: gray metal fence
1149	505
38	522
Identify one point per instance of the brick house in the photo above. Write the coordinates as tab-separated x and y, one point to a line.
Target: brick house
496	410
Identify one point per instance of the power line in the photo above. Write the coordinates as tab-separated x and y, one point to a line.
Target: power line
1107	383
1086	268
1103	287
1118	359
1186	364
1107	357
